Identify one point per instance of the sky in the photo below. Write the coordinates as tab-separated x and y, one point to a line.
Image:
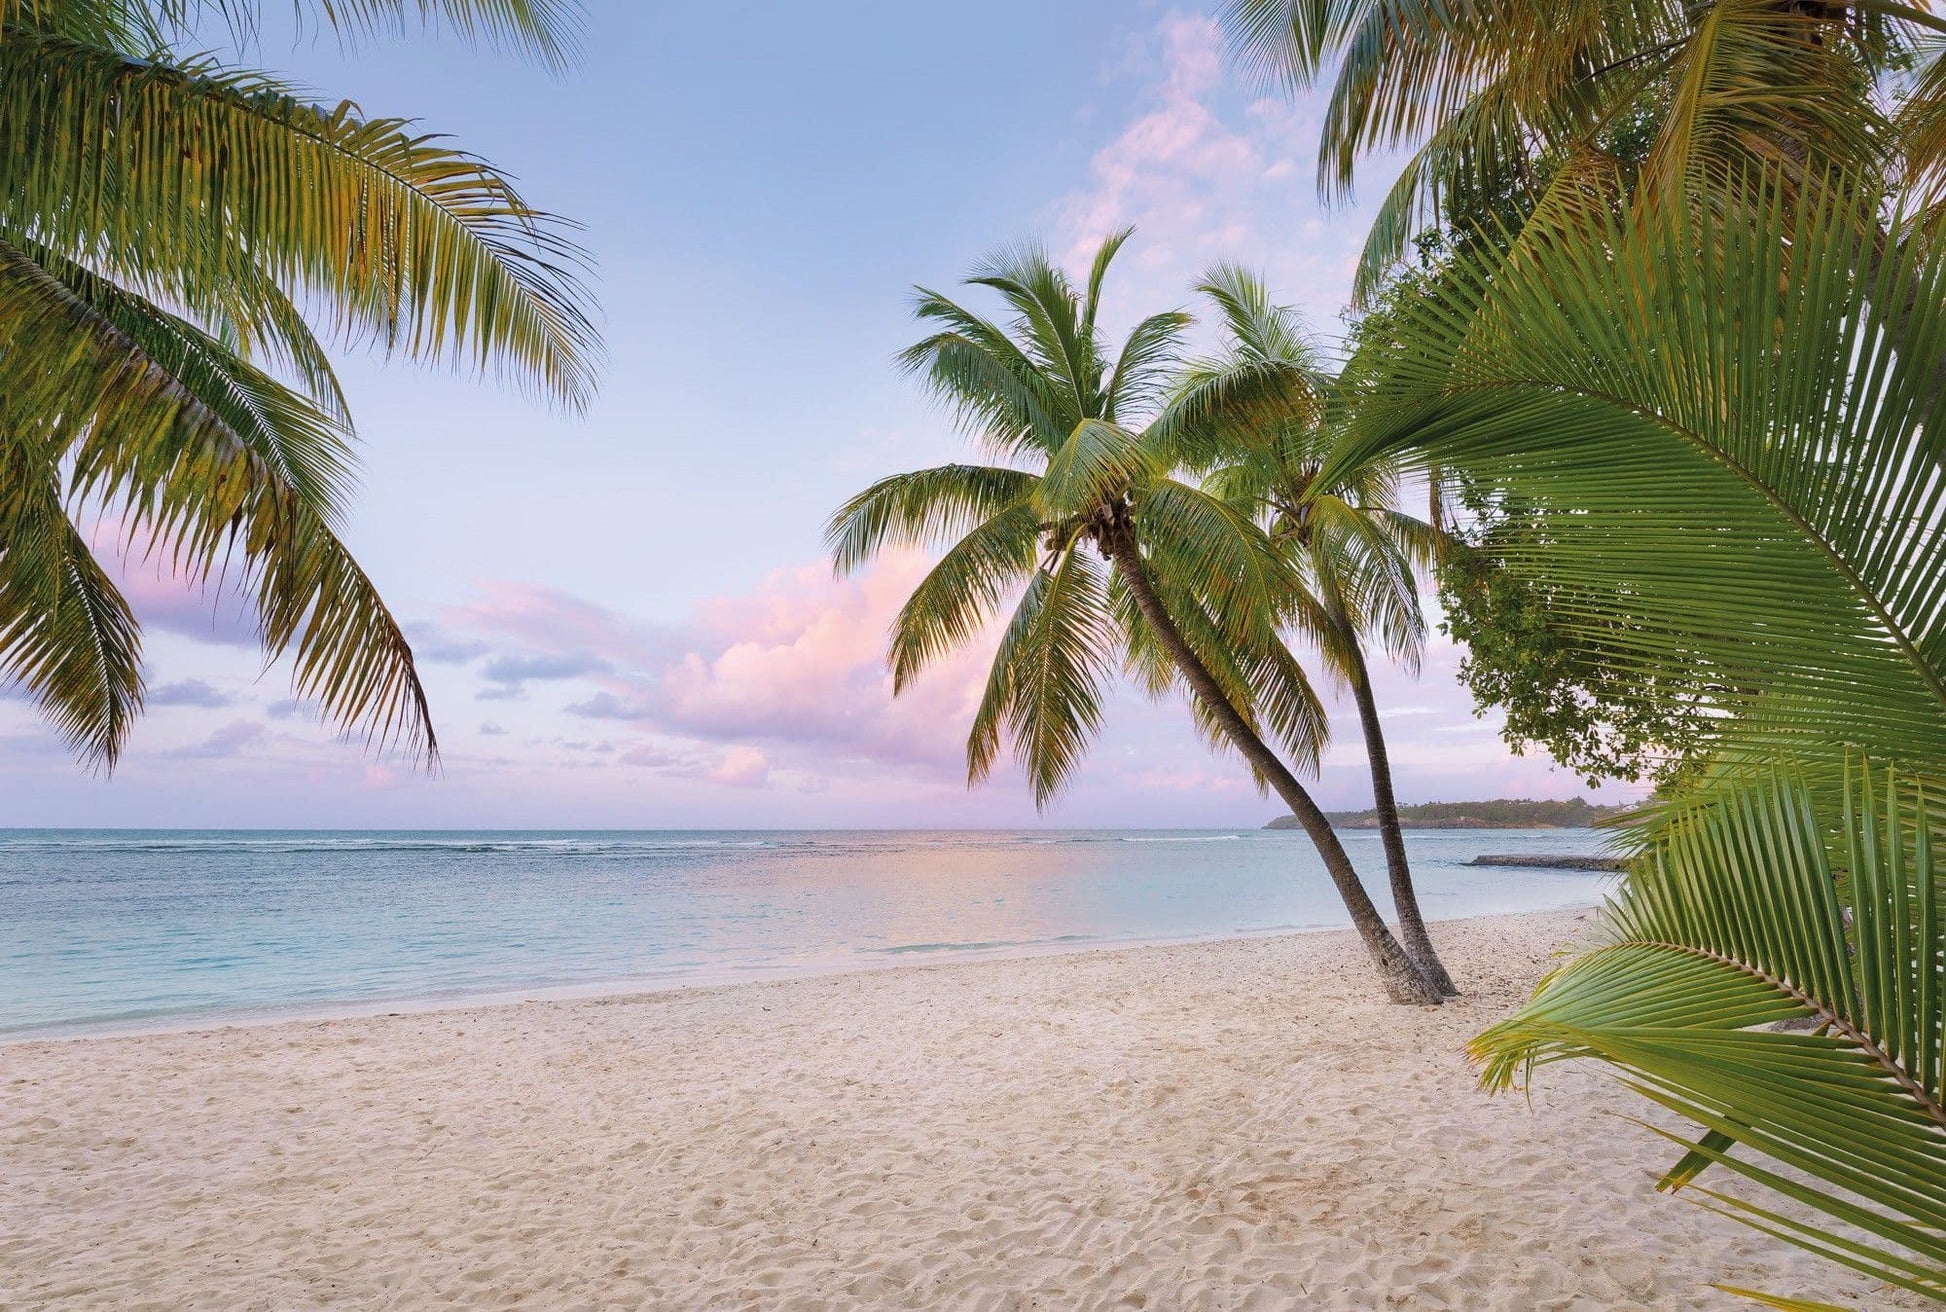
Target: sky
624	618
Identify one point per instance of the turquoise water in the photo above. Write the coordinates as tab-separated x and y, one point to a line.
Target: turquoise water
129	929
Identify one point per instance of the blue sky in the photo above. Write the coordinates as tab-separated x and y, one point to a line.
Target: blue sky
623	617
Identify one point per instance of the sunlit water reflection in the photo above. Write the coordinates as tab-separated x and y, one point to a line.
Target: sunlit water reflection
130	928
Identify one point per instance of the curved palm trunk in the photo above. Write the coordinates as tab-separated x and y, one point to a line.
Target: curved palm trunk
1404	982
1412	925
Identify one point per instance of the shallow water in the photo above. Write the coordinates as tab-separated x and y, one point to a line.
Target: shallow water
128	929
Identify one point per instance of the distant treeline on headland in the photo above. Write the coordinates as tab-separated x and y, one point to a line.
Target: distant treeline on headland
1500	813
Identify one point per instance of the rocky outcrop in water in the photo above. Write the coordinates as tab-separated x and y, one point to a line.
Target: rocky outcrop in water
1536	861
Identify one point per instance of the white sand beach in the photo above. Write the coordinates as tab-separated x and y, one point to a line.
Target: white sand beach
1220	1125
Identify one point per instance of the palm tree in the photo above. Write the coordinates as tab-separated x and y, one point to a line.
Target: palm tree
167	227
1501	100
1356	555
1111	555
1741	465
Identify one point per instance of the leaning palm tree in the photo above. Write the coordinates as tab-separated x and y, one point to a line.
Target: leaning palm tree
169	227
1741	465
1356	555
1110	554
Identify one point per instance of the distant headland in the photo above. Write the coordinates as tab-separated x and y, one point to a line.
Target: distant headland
1500	813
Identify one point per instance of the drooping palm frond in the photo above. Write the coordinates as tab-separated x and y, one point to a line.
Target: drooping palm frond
962	593
925	508
211	462
1716	410
1232	594
1753	906
1050	677
166	225
66	633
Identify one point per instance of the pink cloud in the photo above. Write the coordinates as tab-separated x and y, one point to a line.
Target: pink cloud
741	767
797	667
803	658
1207	171
214	610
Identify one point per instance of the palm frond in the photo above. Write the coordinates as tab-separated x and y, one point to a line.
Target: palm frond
1098	464
1149	360
152	170
1740	914
986	380
955	601
548	30
66	634
209	459
925	508
1049	677
1726	442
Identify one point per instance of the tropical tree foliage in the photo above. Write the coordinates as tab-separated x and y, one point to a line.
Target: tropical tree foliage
178	239
1723	416
1355	556
1559	690
1538	101
1106	556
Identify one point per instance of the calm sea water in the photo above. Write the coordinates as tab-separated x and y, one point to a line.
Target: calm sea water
128	929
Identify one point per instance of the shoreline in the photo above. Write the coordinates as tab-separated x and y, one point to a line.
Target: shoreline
705	981
1231	1124
1226	1124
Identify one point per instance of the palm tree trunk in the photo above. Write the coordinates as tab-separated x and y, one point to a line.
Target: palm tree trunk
1404	981
1412	925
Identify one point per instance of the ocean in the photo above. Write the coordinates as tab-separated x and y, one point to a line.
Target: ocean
116	930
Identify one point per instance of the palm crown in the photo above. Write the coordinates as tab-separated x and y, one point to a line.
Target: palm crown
1046	395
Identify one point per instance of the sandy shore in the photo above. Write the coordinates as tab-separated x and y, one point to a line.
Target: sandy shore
1219	1125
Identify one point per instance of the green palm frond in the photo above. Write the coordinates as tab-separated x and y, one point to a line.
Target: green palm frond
1492	96
305	449
1098	464
1050	677
1150	359
162	170
988	383
922	509
1105	254
1714	409
1219	549
1050	323
210	461
1752	907
1262	680
956	600
66	633
545	29
168	225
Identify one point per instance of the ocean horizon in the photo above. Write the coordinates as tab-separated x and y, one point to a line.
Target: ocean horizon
114	930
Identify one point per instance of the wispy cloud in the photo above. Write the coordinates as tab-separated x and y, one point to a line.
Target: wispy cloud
1206	170
188	692
233	739
794	667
